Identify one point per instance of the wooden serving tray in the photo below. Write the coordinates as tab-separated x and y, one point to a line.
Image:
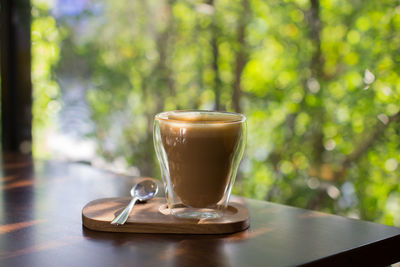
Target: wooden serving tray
147	218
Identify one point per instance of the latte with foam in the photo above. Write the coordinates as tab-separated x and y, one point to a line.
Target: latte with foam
200	149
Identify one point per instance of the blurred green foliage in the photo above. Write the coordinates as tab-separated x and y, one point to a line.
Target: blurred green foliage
46	39
319	81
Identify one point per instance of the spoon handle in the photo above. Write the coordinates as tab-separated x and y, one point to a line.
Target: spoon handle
123	216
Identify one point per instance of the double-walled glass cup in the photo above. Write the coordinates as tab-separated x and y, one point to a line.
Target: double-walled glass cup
199	154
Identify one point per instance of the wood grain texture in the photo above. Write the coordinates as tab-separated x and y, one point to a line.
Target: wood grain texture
41	225
146	218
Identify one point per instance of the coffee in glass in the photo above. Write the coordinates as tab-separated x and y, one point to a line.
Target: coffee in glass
199	154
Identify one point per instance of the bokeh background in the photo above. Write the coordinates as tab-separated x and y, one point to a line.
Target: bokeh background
319	81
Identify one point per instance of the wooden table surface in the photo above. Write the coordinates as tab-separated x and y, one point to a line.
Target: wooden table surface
40	216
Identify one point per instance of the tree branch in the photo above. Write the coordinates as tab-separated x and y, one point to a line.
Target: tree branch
366	144
215	53
241	56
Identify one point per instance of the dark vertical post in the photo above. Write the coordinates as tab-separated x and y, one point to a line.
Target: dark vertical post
16	86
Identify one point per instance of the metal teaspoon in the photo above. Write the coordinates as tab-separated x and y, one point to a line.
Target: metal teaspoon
142	191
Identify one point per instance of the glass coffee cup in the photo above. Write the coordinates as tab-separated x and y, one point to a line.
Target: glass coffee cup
199	154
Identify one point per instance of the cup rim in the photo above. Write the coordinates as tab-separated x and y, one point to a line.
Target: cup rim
163	116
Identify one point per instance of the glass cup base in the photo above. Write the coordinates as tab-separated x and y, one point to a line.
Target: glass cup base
197	214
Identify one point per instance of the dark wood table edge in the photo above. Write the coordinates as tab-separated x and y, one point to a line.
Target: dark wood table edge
388	250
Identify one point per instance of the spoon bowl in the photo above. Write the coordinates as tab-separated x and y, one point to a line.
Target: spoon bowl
144	190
